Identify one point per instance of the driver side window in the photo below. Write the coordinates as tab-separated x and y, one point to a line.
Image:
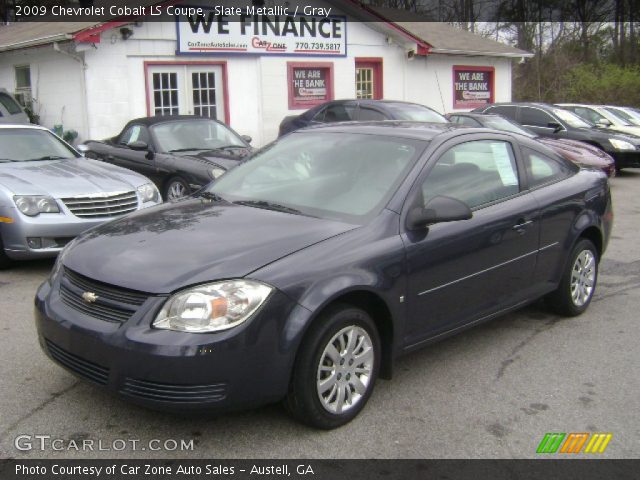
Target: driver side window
477	173
135	133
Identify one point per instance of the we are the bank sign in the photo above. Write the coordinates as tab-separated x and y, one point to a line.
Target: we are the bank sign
211	33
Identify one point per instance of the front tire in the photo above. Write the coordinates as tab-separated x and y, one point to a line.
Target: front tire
176	188
336	368
578	283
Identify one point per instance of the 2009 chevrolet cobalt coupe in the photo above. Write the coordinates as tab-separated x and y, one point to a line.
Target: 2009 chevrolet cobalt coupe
303	273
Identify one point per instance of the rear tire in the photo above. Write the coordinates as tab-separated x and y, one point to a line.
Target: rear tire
578	284
336	368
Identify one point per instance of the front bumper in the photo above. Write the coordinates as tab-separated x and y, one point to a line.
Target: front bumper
248	365
54	231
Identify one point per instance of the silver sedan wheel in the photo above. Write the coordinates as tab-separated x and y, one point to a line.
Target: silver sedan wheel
176	191
583	276
345	369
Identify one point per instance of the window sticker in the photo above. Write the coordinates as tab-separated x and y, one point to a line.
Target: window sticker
135	133
504	164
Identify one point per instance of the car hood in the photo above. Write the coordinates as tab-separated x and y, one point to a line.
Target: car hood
578	151
67	178
166	248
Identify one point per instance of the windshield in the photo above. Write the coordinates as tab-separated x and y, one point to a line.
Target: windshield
342	176
416	113
500	123
27	145
194	135
627	116
572	119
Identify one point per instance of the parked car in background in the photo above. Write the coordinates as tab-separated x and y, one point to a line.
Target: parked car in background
49	193
10	109
361	111
631	115
179	153
304	272
578	152
554	122
602	117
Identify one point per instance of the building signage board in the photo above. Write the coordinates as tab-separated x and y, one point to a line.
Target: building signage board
472	86
211	33
309	84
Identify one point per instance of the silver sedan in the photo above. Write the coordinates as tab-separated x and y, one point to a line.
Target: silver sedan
49	193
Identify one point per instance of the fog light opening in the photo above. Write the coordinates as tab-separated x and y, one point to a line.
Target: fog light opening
34	242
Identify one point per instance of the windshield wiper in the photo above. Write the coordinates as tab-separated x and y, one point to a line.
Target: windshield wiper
189	149
50	157
267	206
209	196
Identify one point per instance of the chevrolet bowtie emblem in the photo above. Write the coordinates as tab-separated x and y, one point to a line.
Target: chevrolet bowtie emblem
89	297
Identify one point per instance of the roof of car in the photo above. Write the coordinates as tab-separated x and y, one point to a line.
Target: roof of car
474	114
148	121
399	128
23	125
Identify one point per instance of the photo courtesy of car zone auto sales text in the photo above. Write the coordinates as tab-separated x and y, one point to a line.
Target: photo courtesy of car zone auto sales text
330	239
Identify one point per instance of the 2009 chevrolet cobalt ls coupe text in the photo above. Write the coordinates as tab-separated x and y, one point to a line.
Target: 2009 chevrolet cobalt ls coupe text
304	272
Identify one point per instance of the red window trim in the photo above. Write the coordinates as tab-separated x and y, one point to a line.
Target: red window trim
376	62
478	68
225	81
303	105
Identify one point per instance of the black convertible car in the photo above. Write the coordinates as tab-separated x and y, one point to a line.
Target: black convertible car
305	271
180	154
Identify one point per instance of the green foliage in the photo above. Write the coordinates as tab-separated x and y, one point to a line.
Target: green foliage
602	84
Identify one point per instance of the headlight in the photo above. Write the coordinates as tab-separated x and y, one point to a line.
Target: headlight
212	307
148	193
33	205
621	144
216	172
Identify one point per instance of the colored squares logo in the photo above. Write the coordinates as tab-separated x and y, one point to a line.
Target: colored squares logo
574	442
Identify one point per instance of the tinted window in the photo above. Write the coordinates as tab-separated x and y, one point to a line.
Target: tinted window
507	111
477	173
336	113
414	112
536	117
542	169
369	114
472	122
196	134
135	133
8	103
587	114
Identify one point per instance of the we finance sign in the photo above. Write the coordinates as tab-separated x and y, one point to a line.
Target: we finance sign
262	31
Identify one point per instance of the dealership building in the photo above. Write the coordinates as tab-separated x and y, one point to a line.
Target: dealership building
248	68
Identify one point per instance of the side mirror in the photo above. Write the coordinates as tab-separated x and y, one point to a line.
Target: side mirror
439	209
246	138
603	122
138	145
556	126
82	148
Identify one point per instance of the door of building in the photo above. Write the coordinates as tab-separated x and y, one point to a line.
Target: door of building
186	90
369	79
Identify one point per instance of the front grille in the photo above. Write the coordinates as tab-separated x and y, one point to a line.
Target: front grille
110	205
165	392
89	370
112	304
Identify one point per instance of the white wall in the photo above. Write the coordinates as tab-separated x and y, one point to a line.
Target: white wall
56	85
257	85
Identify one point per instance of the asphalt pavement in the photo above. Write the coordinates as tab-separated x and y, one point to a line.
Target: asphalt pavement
490	392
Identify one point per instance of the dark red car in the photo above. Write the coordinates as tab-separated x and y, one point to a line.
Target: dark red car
578	152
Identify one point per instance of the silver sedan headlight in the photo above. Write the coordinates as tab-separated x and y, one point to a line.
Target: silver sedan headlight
212	307
148	193
33	205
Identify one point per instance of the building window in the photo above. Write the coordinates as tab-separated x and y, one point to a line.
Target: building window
23	85
309	84
204	94
165	93
369	78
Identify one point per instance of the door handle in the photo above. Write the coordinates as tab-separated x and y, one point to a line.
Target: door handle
521	225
